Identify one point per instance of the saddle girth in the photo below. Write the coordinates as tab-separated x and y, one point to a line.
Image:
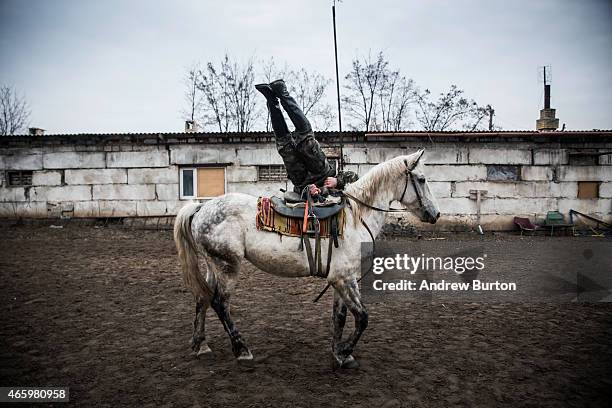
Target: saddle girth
310	219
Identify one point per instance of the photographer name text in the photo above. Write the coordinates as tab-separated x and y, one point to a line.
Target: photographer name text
424	285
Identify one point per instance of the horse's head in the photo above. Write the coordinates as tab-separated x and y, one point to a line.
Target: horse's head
414	192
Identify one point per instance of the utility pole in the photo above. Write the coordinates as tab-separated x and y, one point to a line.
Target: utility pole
341	162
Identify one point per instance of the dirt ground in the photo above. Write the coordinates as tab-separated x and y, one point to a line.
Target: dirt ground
103	311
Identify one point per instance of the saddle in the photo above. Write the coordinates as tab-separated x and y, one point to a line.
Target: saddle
305	220
320	210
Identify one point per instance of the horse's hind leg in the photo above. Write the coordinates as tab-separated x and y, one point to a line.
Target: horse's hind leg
221	305
198	340
348	291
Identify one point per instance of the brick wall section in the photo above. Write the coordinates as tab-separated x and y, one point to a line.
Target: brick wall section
141	177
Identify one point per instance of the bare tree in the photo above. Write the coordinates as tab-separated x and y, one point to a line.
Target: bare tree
229	95
271	71
308	88
216	99
194	98
395	97
451	111
364	84
14	111
477	121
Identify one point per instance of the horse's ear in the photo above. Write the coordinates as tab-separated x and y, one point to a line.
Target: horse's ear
418	157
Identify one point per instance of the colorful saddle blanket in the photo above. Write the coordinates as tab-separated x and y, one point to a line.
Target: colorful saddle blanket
270	220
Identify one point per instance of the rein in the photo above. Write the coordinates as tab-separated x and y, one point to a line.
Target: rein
391	210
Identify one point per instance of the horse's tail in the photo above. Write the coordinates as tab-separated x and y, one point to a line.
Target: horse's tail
188	252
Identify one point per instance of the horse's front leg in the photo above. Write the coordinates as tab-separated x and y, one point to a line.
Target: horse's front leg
347	297
338	319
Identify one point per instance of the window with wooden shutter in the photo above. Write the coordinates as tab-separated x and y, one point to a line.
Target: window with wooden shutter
211	182
202	182
588	189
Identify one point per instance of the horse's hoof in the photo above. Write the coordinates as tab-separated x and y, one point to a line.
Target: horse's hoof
350	363
245	356
204	349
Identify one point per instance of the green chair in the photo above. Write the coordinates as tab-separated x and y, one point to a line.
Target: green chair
554	219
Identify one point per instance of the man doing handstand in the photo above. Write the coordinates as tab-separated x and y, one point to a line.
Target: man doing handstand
304	159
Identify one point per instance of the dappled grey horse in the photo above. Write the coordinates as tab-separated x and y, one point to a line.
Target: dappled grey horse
223	232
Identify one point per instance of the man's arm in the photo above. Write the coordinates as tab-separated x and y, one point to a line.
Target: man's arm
341	180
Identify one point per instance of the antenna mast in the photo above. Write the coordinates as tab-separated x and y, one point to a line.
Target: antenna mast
547	121
341	162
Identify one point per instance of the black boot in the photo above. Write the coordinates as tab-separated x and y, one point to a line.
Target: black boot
267	91
301	123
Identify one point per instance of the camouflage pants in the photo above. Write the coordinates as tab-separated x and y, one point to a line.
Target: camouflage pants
304	159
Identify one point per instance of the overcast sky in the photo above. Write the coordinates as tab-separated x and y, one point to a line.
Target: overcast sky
118	66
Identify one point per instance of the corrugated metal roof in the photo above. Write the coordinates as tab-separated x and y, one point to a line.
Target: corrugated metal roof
330	133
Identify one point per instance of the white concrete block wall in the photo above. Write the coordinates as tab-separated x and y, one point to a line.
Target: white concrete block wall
101	176
150	208
511	206
354	155
13	194
74	160
60	193
493	189
258	156
441	188
536	173
167	192
117	208
124	192
437	172
450	206
157	158
499	156
550	156
446	155
587	206
28	209
194	154
258	189
377	155
164	175
87	209
547	189
46	178
585	173
22	162
141	180
237	174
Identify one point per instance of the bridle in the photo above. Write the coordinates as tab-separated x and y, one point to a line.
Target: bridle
409	176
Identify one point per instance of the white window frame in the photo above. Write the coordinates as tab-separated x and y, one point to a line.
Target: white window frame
195	182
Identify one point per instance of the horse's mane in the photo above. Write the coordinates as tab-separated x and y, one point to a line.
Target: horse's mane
366	188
